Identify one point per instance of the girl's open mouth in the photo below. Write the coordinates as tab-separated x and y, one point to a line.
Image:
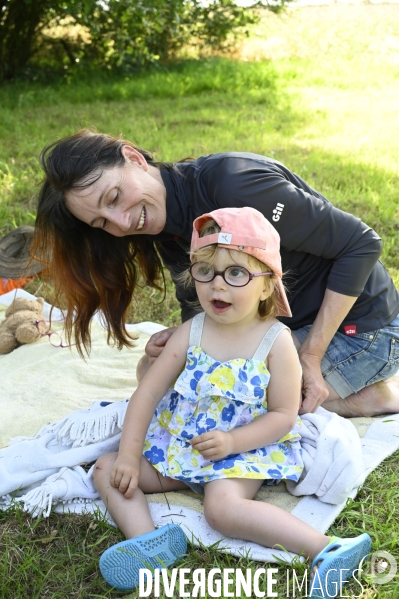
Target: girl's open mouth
220	306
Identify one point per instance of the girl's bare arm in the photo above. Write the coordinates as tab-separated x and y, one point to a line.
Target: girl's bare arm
141	408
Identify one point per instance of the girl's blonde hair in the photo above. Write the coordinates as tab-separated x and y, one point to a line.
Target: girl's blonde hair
268	307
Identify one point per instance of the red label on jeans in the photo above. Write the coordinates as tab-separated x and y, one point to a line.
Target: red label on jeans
350	329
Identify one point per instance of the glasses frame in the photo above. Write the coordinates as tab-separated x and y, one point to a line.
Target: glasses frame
221	273
50	333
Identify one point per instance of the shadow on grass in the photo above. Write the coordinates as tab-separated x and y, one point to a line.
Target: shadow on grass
185	78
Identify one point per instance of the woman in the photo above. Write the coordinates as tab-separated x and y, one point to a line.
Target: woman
109	214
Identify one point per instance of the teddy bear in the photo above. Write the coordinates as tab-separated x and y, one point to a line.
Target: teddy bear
19	325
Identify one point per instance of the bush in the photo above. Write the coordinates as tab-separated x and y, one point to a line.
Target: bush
125	35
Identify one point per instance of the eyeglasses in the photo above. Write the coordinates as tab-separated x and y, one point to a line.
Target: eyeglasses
234	275
44	329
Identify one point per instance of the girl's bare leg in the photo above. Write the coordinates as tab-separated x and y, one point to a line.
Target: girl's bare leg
230	509
132	516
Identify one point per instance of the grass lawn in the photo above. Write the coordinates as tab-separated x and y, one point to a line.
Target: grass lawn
316	88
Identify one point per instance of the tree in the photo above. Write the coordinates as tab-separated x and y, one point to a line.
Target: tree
21	25
20	21
127	34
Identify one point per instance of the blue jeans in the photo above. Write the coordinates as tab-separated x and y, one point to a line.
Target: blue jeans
357	361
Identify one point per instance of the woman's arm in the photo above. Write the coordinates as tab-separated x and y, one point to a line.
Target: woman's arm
141	408
332	312
283	400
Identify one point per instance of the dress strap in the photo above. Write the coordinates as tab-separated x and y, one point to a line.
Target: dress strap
266	344
196	329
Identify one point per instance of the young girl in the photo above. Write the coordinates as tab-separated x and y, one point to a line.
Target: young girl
217	412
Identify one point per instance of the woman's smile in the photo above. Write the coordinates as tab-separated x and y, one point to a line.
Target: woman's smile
141	220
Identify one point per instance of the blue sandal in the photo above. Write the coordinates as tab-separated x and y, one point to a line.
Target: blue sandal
339	554
120	564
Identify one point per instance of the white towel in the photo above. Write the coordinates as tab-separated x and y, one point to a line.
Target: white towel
332	456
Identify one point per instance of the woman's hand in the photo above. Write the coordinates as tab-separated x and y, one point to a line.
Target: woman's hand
125	475
314	389
214	445
157	342
153	350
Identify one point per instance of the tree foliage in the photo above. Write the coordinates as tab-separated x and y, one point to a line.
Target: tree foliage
125	34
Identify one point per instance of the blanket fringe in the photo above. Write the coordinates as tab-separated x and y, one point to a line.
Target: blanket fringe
69	485
38	501
93	426
84	427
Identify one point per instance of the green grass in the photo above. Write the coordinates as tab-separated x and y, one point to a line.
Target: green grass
316	88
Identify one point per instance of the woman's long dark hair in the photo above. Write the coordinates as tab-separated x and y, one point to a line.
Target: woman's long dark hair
90	269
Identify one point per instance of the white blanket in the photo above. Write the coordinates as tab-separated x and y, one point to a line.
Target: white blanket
47	471
332	450
41	385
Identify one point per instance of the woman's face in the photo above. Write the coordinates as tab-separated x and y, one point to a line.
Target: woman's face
125	200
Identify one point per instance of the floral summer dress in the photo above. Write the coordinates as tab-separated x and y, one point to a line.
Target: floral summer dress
209	395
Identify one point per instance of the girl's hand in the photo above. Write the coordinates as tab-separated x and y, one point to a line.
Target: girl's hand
214	445
125	475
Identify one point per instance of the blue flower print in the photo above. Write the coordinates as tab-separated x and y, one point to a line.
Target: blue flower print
173	400
242	375
155	455
294	477
228	413
213	367
194	381
205	387
191	362
204	424
258	390
240	388
187	435
260	451
274	473
225	463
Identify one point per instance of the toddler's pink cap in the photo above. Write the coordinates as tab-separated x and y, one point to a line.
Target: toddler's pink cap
245	230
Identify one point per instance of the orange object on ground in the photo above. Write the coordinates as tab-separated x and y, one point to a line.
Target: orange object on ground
7	285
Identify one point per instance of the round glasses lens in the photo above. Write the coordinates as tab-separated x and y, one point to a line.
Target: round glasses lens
55	340
43	327
237	276
201	271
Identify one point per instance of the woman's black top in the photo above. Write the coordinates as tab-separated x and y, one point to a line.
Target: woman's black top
322	247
